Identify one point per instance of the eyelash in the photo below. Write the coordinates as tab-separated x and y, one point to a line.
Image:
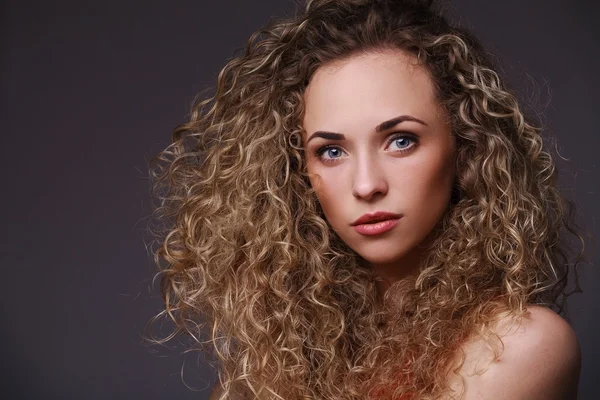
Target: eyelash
319	152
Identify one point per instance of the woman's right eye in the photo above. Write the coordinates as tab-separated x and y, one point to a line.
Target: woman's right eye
329	153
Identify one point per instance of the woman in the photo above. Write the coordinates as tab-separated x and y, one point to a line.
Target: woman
363	211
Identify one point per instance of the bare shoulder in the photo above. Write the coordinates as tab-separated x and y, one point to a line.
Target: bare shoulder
540	359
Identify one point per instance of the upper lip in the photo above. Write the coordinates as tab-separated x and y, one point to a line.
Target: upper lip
377	216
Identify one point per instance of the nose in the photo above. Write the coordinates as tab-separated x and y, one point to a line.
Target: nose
369	179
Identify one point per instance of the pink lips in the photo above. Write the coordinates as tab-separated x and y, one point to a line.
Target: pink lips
376	223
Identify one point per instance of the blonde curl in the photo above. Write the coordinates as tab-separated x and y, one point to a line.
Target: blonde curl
250	268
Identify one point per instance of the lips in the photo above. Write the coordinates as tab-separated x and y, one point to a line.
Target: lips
372	218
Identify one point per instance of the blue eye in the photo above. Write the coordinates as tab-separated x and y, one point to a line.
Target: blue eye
403	142
329	152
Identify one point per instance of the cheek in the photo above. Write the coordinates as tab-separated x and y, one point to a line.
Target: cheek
431	186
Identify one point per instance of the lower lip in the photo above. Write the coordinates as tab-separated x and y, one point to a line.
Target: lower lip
376	228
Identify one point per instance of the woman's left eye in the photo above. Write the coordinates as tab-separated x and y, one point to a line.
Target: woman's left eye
402	142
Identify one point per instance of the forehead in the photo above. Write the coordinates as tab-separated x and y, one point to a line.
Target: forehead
363	90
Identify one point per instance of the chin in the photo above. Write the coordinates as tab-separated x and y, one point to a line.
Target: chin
374	257
386	251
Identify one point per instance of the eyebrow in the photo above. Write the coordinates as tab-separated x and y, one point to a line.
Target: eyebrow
379	128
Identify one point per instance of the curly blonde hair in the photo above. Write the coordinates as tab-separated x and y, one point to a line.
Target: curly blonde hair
250	268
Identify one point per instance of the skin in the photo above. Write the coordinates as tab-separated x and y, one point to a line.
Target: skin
541	361
406	168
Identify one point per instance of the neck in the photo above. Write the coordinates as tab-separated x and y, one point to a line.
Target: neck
389	273
408	266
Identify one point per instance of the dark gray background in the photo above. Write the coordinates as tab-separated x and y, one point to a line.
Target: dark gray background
91	90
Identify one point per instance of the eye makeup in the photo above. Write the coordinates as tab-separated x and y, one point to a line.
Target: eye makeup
413	142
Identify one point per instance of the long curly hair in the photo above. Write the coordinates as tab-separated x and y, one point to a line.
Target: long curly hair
250	268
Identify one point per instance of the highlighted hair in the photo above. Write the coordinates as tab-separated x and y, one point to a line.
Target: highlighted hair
251	269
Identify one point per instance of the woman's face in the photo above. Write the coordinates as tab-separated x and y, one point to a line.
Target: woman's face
378	142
